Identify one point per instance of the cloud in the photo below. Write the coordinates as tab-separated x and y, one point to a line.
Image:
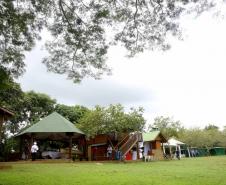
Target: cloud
88	93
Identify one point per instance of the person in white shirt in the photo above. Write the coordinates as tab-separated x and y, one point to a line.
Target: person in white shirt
109	152
134	155
34	150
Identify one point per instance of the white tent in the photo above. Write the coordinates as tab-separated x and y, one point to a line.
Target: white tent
173	143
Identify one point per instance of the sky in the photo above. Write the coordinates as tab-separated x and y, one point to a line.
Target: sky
187	83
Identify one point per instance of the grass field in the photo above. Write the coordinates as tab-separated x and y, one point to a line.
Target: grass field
195	171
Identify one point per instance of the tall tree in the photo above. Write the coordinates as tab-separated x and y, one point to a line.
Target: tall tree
112	119
28	107
72	113
11	97
167	126
37	105
80	30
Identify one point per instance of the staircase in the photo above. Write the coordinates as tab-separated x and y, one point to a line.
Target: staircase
129	144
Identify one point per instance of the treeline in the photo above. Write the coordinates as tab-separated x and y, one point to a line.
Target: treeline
209	136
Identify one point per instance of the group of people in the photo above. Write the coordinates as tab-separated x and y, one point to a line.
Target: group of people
117	153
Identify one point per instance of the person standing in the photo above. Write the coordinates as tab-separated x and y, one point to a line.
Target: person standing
177	153
117	154
34	150
109	152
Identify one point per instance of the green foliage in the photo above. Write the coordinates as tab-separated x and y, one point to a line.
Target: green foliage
211	127
80	31
167	126
210	136
204	137
37	105
6	80
10	145
112	119
28	107
20	23
72	113
12	97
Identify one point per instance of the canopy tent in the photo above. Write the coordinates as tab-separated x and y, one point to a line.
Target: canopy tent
172	142
53	127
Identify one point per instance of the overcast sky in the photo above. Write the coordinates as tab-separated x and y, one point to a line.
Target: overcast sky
187	82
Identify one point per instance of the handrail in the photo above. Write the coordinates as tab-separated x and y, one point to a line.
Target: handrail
129	144
122	141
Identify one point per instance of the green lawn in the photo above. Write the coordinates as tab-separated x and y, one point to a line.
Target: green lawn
195	171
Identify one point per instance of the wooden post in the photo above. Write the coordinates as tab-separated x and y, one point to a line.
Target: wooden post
138	150
1	123
32	139
89	153
21	146
70	146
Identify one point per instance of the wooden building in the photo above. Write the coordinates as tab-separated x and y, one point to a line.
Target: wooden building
153	144
121	145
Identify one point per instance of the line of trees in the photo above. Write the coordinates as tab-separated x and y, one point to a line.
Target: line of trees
209	136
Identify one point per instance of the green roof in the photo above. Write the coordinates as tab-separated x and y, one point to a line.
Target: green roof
150	136
53	123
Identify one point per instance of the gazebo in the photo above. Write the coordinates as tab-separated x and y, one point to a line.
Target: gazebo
4	116
54	127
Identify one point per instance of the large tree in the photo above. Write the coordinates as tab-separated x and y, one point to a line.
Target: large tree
72	113
112	119
37	106
82	30
28	107
168	126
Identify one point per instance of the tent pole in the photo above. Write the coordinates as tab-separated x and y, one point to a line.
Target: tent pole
188	152
163	148
179	150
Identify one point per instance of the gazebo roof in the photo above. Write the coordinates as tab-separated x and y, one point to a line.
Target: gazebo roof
53	123
151	136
